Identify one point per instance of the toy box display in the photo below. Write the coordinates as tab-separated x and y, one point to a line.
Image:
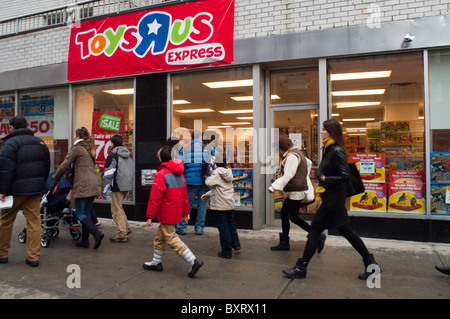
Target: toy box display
373	199
406	177
243	187
371	166
440	203
406	197
440	168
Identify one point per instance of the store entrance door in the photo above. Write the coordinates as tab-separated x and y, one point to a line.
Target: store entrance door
299	123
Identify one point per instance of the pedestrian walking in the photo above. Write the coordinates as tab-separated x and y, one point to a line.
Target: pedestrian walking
297	189
24	169
221	204
169	201
86	184
333	175
194	156
118	177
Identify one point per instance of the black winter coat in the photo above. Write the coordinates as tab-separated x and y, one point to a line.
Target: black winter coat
24	164
332	211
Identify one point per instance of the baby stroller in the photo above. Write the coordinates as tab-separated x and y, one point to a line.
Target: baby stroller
55	211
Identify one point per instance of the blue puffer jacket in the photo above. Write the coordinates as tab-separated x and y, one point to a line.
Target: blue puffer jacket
193	159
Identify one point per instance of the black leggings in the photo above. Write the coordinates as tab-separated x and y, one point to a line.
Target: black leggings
289	210
345	231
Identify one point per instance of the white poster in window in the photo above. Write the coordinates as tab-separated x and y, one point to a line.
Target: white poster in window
367	167
296	139
447	195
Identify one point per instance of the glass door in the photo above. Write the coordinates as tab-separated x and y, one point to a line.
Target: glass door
299	123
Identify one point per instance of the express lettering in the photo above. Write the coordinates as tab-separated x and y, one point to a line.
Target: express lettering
153	33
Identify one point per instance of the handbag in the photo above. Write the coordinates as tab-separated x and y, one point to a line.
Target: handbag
355	185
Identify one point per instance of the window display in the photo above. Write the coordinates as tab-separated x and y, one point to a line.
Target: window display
219	104
7	110
379	101
47	114
106	109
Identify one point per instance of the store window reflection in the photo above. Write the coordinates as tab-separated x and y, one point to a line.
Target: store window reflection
219	104
379	101
106	109
47	114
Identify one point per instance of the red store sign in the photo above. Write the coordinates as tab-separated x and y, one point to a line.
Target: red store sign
185	35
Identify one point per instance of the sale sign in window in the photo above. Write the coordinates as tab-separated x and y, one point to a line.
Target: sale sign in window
105	125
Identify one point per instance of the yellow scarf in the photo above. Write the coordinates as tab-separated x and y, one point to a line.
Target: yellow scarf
326	142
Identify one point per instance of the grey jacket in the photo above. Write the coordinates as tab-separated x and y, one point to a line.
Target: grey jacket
119	170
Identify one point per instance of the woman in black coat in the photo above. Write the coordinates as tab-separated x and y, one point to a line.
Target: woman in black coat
333	175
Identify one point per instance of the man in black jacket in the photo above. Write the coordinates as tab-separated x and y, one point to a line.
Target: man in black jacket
24	168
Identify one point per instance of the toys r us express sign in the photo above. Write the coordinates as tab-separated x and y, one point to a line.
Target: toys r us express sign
185	35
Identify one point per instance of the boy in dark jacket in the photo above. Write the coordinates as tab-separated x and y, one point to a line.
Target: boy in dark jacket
24	169
168	200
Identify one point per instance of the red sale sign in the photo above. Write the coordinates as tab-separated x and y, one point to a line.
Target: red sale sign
186	35
105	125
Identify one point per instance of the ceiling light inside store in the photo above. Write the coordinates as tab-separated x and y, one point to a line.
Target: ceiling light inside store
194	111
120	91
218	126
180	102
250	98
237	123
236	111
228	84
359	120
341	105
358	92
360	75
245	118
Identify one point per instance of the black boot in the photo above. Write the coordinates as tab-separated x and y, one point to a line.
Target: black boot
298	271
284	243
444	270
84	242
321	244
90	227
369	260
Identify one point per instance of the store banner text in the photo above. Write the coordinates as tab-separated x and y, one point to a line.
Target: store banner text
185	35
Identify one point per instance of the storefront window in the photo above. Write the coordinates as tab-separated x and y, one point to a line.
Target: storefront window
379	101
106	109
219	104
294	86
439	68
47	114
7	110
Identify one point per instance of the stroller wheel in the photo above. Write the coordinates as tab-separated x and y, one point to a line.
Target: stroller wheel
22	237
45	241
75	233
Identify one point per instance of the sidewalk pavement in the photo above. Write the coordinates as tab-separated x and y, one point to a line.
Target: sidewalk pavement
115	269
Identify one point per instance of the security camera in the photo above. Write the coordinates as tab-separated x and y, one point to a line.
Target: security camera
408	38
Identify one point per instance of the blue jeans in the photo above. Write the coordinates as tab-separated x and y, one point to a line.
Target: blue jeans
227	230
192	191
83	207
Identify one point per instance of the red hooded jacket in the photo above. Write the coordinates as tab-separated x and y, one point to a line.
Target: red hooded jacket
168	196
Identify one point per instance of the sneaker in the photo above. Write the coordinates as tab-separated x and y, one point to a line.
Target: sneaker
34	263
180	232
3	260
195	267
222	255
237	248
117	239
149	266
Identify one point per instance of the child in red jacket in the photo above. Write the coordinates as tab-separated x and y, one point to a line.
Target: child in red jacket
169	200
